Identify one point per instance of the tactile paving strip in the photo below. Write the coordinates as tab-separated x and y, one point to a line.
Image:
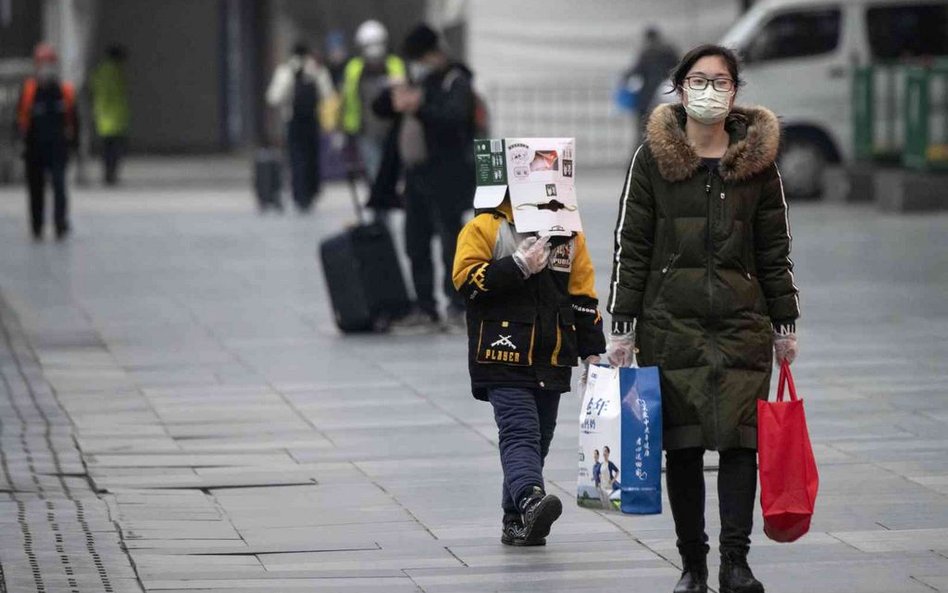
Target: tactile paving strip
58	549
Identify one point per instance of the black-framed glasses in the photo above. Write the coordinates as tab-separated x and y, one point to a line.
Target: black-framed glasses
699	83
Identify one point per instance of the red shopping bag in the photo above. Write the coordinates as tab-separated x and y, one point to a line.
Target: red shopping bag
788	475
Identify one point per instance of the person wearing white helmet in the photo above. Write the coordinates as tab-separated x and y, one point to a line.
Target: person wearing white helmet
366	76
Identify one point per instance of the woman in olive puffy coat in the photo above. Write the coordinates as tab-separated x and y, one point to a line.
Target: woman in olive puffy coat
703	285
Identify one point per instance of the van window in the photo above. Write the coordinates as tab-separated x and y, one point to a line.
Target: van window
795	35
908	30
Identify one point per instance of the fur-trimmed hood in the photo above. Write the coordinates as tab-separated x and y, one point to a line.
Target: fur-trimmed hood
755	139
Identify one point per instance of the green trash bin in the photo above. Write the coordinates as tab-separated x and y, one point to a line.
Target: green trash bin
863	112
926	117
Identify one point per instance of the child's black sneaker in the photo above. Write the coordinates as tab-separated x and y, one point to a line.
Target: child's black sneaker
512	534
539	510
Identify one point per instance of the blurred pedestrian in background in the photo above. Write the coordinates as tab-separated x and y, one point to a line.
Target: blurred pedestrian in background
297	87
366	76
656	60
110	109
703	283
48	126
337	55
436	114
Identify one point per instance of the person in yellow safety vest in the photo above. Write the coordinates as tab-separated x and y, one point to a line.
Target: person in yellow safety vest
365	77
110	108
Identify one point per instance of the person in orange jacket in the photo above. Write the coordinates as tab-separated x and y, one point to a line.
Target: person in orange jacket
48	126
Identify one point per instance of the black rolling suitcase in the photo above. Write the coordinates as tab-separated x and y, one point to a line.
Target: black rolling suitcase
268	178
363	275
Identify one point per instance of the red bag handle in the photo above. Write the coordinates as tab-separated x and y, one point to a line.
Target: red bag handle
786	379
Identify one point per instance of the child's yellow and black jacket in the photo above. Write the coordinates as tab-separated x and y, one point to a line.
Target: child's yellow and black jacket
524	332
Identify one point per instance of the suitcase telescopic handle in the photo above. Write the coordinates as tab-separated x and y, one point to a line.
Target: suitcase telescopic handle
354	174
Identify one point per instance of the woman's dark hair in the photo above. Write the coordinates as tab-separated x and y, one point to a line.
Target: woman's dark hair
730	58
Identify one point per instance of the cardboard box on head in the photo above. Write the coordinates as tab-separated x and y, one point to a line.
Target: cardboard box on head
539	173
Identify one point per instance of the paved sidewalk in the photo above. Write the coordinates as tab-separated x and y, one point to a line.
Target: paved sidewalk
240	444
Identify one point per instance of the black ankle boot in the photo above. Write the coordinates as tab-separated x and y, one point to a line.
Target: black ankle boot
694	577
539	510
513	532
736	576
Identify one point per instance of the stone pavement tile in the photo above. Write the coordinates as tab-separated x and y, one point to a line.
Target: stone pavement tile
907	540
94	422
169	547
234	479
938	583
873	574
367	397
593	576
385	559
247	426
405	530
937	483
193	546
306	516
314	496
474	463
556	553
144	430
296	440
238	412
97	445
391	584
156	563
185	459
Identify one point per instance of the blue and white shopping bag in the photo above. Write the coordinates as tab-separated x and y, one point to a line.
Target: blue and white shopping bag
620	441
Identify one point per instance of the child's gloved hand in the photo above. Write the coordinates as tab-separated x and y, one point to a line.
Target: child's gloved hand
584	377
532	255
621	349
785	347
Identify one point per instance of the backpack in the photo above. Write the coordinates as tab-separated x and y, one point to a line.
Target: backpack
305	96
480	116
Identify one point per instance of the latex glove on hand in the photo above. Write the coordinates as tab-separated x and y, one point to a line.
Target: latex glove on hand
621	349
583	378
785	347
532	255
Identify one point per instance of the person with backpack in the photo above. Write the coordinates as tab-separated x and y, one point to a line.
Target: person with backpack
436	115
48	126
297	87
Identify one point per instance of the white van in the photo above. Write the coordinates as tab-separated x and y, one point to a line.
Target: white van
798	61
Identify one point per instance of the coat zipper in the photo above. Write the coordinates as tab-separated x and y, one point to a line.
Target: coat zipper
707	191
671	262
712	376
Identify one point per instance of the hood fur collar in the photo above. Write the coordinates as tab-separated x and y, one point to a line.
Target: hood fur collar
755	138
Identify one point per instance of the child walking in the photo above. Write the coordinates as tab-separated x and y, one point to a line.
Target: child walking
532	313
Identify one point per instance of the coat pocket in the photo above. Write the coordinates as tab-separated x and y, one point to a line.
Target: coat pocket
507	338
566	348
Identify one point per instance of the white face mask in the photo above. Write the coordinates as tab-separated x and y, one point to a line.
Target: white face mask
374	51
47	72
419	71
708	106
